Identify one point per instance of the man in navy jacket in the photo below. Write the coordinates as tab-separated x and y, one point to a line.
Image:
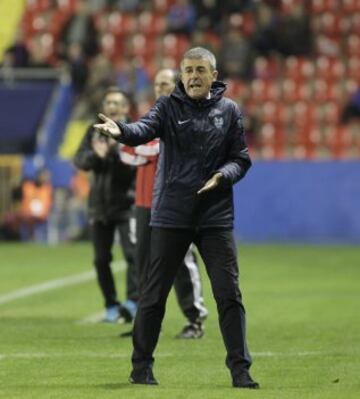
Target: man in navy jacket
203	153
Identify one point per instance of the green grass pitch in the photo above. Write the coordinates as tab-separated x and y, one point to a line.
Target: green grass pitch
303	329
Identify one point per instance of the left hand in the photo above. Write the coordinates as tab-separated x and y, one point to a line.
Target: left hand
211	183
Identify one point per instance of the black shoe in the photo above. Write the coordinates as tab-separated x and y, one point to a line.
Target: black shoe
243	380
144	376
125	315
191	331
126	334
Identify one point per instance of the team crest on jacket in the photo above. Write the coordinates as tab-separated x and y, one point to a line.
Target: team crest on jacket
218	122
217	118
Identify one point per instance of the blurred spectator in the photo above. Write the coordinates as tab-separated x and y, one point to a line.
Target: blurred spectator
181	17
264	38
78	67
101	76
131	77
11	221
232	6
208	14
79	28
125	5
39	55
37	198
207	40
294	32
17	55
237	56
351	110
327	46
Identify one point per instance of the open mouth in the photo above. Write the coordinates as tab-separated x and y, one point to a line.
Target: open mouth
195	85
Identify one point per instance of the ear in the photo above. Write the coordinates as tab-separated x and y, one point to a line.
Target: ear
215	74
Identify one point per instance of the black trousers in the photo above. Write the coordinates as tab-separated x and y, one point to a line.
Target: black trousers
103	235
218	250
187	282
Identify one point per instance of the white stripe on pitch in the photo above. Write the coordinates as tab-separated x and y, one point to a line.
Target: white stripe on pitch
92	319
43	355
54	284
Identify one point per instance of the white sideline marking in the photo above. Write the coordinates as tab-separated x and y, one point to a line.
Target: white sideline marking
55	284
42	355
92	319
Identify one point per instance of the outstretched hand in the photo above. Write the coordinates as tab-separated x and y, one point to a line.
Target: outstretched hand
211	183
108	128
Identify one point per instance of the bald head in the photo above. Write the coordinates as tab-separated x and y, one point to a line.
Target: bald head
164	82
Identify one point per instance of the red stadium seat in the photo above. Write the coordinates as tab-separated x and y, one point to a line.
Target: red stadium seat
319	6
355	22
353	69
174	46
351	6
151	24
163	5
270	113
108	45
266	68
235	88
352	47
121	23
37	5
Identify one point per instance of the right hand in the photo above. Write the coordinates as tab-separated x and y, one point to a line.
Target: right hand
100	147
108	128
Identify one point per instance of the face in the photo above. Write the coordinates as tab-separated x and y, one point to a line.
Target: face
164	83
197	77
116	106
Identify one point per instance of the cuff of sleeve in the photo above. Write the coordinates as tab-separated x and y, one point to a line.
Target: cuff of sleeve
122	137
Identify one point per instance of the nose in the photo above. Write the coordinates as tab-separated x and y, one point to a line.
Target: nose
194	74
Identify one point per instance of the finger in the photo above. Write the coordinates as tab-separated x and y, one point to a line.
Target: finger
103	129
104	118
204	189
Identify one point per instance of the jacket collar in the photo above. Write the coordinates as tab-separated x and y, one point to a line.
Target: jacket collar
217	90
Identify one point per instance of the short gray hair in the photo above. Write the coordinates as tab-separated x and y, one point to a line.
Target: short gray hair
196	53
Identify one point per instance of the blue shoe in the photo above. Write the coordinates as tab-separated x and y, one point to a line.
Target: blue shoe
128	310
112	314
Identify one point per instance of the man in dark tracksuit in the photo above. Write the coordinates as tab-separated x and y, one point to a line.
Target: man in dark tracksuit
110	207
203	153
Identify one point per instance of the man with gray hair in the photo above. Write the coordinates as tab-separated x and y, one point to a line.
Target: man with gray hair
202	154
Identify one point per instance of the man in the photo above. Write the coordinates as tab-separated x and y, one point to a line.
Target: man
203	152
187	282
110	206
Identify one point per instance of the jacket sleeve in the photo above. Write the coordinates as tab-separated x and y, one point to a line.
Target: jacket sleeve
238	160
146	128
85	157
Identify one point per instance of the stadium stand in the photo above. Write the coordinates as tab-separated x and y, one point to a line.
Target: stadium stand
288	85
304	69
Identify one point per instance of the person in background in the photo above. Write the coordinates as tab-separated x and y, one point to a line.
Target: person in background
79	28
187	282
111	207
36	204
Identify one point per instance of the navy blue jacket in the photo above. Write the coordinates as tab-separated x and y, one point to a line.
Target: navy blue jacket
197	139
